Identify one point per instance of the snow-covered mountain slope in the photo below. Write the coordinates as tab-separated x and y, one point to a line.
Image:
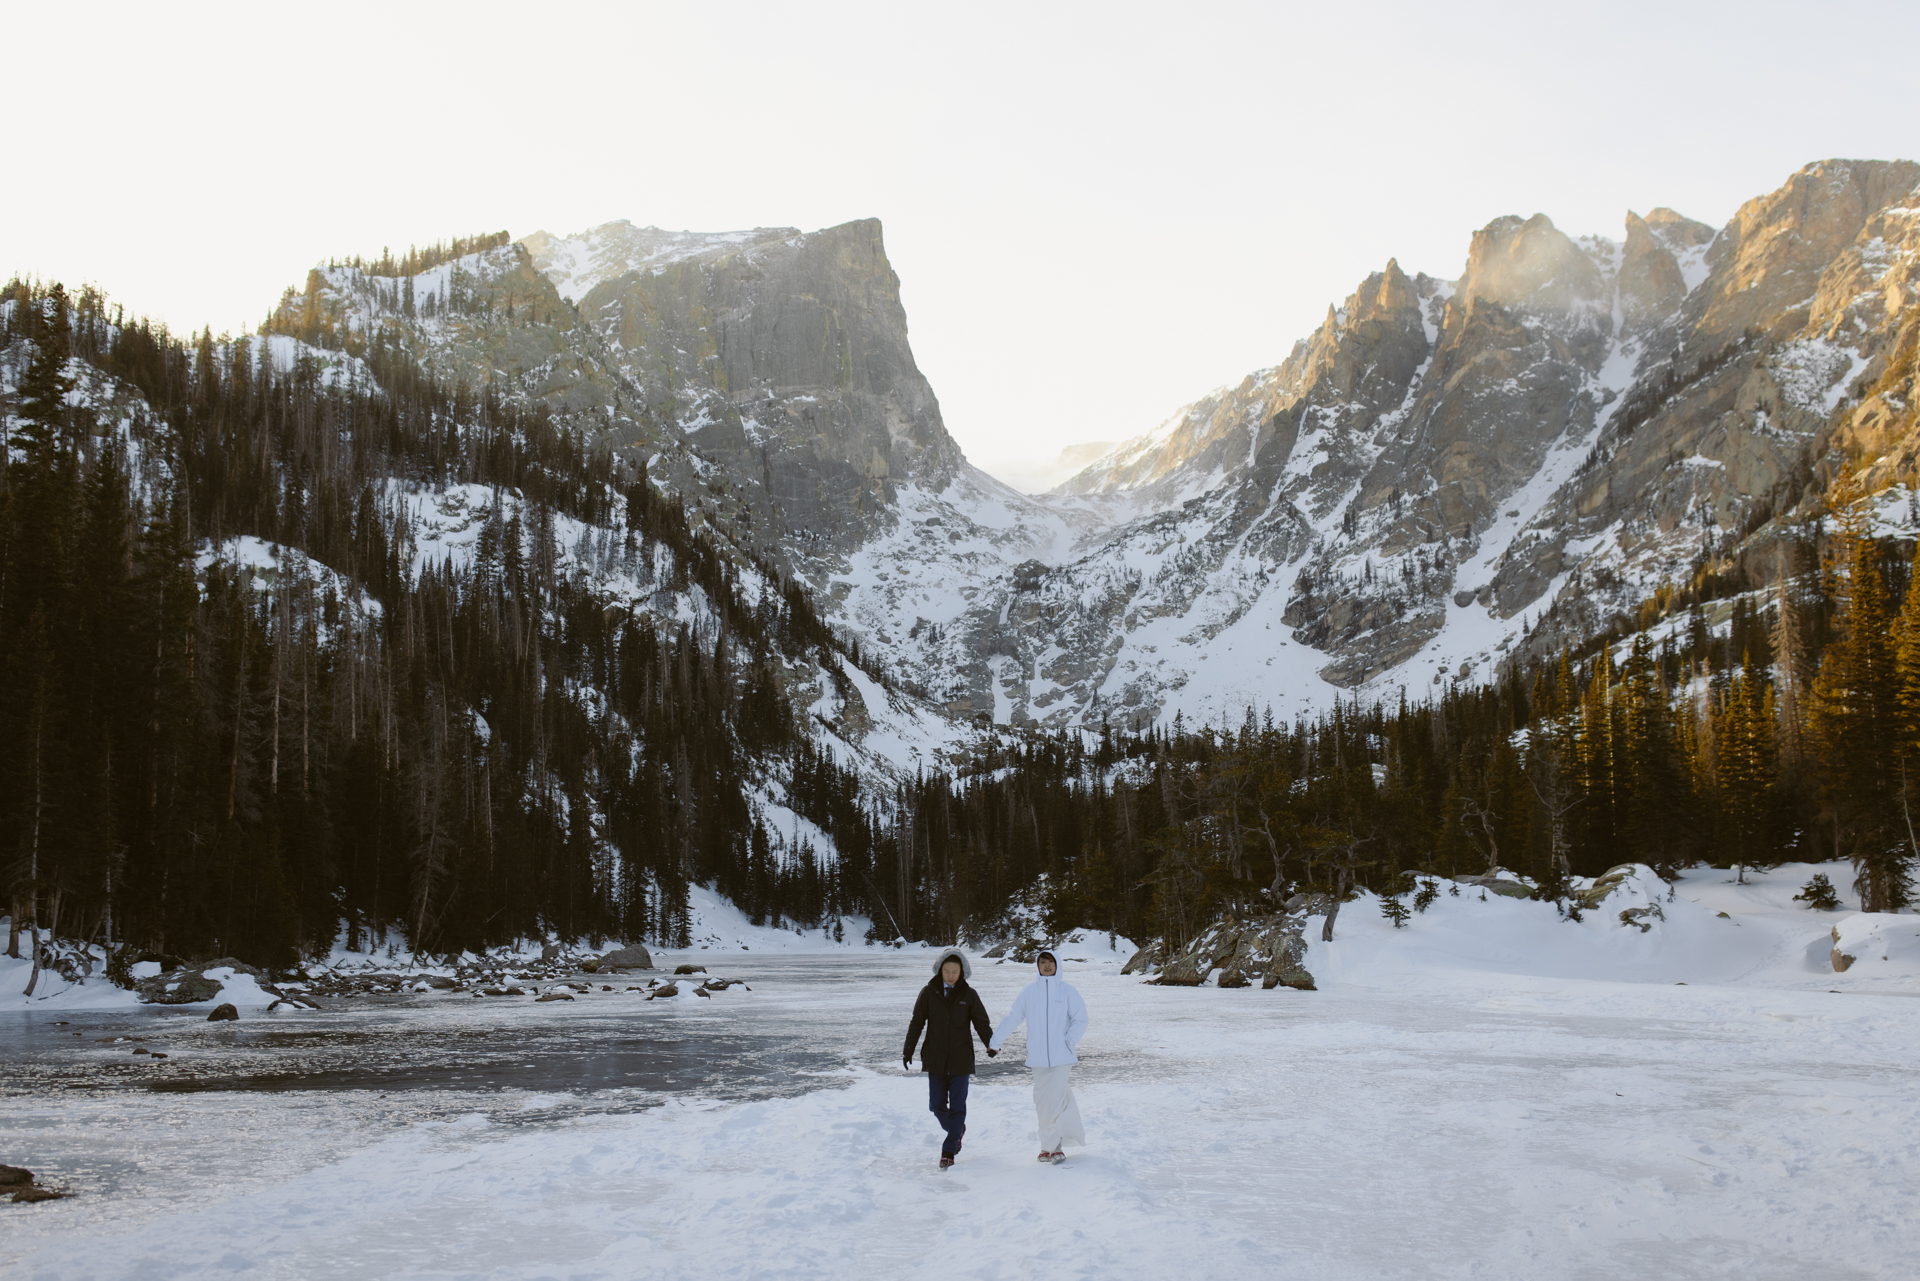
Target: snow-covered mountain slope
576	264
1449	471
1445	472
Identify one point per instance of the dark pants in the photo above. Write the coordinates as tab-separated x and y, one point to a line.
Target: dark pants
947	1100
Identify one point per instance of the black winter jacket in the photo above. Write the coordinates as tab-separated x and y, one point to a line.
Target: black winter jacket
949	1047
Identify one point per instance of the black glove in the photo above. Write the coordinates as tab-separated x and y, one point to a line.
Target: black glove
992	1053
907	1064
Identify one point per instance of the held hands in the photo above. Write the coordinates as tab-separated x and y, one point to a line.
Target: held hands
992	1053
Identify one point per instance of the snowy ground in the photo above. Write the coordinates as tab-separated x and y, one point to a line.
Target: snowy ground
1489	1092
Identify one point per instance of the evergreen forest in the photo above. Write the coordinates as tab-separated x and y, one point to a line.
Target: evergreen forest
349	738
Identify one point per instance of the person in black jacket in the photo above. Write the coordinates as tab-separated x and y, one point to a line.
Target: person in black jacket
951	1012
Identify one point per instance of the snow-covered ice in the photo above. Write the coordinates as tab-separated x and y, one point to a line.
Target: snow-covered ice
1488	1092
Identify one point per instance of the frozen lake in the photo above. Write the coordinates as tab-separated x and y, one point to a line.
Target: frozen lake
1435	1111
807	1014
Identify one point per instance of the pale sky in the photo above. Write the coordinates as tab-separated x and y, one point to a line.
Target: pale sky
1098	212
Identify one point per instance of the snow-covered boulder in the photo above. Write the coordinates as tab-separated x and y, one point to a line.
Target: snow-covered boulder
1878	942
1503	882
226	979
1633	891
1144	961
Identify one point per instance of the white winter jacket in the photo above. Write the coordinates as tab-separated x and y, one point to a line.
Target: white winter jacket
1056	1019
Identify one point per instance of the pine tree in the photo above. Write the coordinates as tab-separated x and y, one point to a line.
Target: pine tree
1394	910
1655	802
1749	830
1855	721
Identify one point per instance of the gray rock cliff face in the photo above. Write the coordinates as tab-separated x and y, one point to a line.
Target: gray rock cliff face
784	361
764	376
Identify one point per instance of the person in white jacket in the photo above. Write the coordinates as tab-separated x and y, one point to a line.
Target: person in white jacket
1056	1019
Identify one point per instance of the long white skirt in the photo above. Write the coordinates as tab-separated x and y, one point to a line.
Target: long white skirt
1055	1109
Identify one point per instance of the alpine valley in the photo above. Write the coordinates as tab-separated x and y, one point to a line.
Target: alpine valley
509	588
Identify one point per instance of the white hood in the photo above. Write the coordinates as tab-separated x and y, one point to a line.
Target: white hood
954	954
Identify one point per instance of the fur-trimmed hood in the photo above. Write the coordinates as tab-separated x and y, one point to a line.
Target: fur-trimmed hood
954	954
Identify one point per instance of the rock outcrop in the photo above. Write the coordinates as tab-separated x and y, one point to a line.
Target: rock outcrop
1269	950
19	1186
626	958
1632	891
192	984
1876	943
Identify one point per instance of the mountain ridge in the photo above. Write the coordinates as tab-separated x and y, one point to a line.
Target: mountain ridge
1444	474
1480	476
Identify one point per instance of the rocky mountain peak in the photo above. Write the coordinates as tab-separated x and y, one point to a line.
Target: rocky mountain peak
1530	264
1394	292
780	357
1766	264
1651	282
1677	231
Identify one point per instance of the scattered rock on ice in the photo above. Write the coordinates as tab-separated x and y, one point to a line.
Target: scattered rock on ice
689	969
205	983
21	1184
669	989
627	958
224	1013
